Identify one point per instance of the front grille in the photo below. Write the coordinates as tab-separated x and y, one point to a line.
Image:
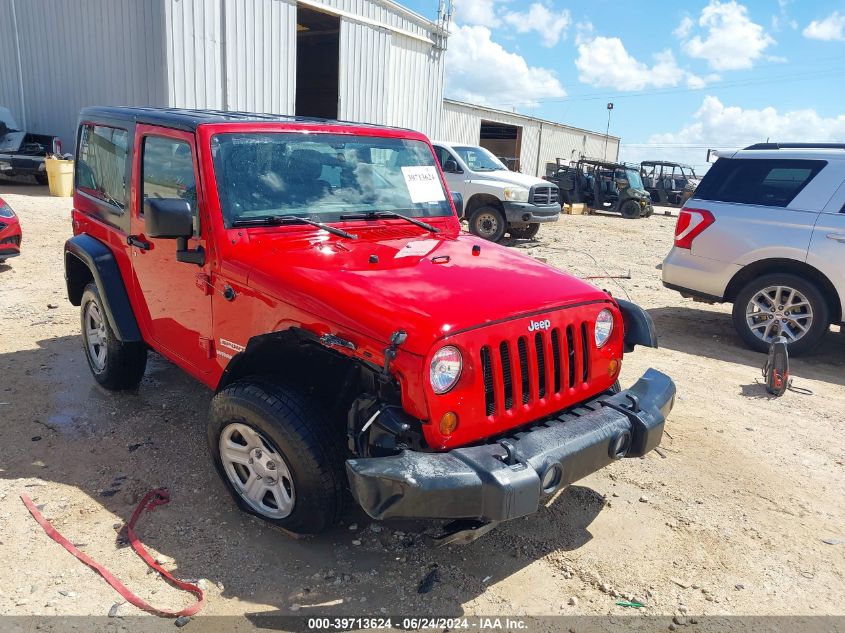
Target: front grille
556	360
15	239
544	195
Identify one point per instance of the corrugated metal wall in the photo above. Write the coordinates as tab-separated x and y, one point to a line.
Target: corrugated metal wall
75	54
416	85
10	94
542	141
364	86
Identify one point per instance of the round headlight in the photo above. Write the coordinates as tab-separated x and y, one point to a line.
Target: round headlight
604	327
445	369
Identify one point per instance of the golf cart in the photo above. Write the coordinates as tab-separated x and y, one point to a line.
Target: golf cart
602	186
668	184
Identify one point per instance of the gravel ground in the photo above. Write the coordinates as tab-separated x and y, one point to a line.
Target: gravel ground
742	512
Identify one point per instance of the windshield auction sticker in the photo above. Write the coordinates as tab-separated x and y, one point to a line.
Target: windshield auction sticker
423	184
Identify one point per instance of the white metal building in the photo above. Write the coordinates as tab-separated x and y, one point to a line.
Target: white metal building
363	60
372	61
527	144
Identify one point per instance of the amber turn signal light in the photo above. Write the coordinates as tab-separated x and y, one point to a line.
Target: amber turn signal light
612	367
448	423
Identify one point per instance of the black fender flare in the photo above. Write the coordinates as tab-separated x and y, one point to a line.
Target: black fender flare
99	260
639	326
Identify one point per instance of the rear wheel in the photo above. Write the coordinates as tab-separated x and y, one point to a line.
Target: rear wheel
487	222
277	455
525	232
781	304
630	210
115	365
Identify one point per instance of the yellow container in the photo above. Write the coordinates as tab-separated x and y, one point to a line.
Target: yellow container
60	177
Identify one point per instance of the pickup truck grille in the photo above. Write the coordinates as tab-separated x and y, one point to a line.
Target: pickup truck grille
533	366
543	195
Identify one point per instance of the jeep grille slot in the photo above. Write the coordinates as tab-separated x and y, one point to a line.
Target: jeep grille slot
556	358
507	378
524	375
487	373
541	365
570	355
585	353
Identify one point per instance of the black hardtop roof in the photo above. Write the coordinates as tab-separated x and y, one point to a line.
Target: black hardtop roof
190	120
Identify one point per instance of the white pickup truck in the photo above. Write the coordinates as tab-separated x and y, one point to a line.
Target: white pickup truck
496	200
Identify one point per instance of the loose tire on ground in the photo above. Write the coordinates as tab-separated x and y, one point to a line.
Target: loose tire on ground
488	222
524	232
630	210
293	427
807	299
115	365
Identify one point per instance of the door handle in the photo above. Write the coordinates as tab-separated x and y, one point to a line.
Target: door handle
134	240
837	237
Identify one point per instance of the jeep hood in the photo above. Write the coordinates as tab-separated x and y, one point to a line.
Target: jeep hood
504	177
426	284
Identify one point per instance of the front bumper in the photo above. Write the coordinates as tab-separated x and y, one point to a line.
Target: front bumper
527	213
504	479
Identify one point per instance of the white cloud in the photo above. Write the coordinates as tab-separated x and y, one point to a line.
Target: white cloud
584	32
480	70
550	25
829	29
715	125
477	12
684	28
732	41
604	62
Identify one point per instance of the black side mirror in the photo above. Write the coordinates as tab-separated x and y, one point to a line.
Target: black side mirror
451	166
172	218
168	218
458	201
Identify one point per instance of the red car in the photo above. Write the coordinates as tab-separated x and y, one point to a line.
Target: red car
314	275
10	232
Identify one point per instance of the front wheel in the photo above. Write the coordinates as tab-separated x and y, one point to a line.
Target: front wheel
488	222
781	304
524	232
276	453
115	365
631	210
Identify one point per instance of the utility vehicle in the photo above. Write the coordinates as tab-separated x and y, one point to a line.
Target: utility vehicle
314	275
22	153
668	184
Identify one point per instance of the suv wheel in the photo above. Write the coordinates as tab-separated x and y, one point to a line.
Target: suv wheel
488	222
524	232
781	304
115	365
631	210
277	455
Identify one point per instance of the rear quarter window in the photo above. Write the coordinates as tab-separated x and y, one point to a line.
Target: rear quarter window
101	164
766	182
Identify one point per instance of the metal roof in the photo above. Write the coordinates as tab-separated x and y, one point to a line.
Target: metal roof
190	120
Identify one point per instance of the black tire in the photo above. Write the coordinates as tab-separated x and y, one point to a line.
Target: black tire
488	222
299	431
817	328
42	179
123	364
630	210
524	232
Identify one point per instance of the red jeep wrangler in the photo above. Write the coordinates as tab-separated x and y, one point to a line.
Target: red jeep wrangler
313	274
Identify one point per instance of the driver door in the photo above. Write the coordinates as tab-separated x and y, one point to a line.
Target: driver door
174	297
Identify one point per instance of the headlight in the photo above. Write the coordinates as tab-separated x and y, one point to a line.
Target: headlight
445	369
6	210
516	194
604	327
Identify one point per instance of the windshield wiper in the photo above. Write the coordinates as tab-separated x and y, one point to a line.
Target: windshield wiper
376	215
276	220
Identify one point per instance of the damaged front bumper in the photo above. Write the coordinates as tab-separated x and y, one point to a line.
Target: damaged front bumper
506	479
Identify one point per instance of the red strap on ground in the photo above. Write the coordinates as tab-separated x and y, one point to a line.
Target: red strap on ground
154	498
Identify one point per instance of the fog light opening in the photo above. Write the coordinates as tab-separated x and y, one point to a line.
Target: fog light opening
526	217
552	478
620	446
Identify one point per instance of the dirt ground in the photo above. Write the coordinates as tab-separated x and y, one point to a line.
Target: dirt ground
731	518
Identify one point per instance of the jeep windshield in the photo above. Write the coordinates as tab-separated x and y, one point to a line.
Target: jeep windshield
479	159
324	176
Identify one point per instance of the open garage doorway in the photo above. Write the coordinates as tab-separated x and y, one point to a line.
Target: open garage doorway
505	141
317	63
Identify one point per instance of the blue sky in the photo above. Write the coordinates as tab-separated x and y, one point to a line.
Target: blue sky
683	75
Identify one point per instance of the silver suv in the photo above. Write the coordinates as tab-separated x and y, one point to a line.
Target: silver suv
765	230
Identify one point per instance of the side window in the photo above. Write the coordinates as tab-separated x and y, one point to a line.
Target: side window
769	182
168	171
442	155
101	164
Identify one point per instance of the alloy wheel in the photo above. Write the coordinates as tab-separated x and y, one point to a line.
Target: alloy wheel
779	311
96	337
487	224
